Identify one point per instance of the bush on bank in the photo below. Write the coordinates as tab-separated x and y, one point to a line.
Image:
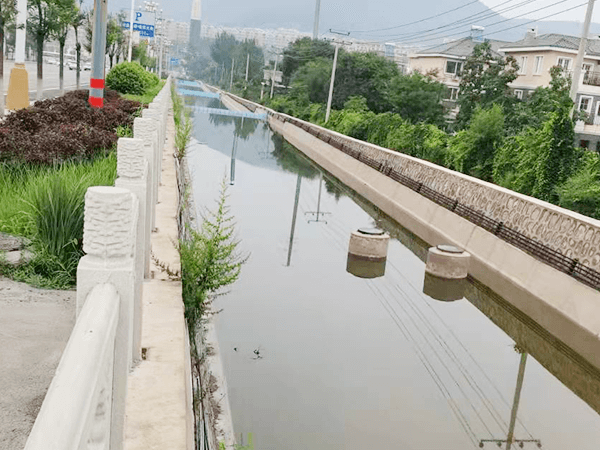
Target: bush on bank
130	78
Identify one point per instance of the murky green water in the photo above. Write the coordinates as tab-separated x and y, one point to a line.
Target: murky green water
319	359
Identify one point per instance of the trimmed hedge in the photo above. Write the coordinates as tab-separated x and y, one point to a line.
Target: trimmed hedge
130	78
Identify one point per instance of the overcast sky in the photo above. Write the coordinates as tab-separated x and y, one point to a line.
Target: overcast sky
559	7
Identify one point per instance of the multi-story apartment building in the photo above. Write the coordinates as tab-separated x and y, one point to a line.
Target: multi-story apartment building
445	61
536	54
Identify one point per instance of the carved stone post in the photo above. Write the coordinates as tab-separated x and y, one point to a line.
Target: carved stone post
108	241
155	115
145	129
132	172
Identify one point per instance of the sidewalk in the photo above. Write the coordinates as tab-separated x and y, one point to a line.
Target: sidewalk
159	403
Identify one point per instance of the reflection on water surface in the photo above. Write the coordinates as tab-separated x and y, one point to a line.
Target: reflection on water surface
354	363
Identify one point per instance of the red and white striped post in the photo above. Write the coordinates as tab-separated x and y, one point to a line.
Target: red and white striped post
96	98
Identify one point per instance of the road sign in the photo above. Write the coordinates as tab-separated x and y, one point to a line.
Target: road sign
174	61
144	22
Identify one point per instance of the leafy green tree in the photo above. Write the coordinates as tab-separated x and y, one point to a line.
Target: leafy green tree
78	22
417	98
66	13
42	22
484	81
472	150
302	52
115	37
540	104
312	78
537	160
581	191
222	51
366	75
7	15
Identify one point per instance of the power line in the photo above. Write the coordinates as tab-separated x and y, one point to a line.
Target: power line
464	34
421	20
458	23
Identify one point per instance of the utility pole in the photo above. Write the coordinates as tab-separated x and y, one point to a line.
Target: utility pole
582	44
160	54
96	98
337	46
273	76
18	85
316	24
231	80
335	56
247	66
130	49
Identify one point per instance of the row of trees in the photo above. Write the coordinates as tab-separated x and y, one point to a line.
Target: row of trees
224	61
527	146
53	19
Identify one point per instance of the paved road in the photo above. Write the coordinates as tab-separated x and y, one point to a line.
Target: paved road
50	78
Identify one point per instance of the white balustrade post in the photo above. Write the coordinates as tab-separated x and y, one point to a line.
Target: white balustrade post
145	129
108	241
155	115
132	172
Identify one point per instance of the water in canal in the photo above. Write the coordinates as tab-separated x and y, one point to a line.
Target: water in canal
317	358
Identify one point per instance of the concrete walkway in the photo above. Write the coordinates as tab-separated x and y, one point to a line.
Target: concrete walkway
159	402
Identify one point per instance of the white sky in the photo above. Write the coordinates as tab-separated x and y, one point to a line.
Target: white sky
577	14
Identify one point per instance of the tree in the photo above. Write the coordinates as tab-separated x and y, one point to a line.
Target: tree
222	51
301	52
484	81
66	12
115	37
472	151
41	23
7	15
417	98
581	191
312	79
366	75
79	20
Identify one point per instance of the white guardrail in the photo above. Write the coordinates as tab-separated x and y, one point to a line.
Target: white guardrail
85	403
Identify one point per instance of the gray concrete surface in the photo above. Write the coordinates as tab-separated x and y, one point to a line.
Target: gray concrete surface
35	325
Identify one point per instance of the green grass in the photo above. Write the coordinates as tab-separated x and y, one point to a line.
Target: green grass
46	205
147	96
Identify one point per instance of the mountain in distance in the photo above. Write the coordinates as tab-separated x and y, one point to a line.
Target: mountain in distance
367	20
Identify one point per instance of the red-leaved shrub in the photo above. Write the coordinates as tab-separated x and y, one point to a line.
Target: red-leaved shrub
63	128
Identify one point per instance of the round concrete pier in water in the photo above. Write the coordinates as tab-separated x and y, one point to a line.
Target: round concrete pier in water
447	261
369	243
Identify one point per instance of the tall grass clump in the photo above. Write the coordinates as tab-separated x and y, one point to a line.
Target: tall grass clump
183	124
50	212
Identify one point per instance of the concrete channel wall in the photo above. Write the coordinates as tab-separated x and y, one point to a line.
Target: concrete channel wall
106	382
558	302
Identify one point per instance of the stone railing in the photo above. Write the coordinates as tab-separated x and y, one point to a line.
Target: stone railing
85	403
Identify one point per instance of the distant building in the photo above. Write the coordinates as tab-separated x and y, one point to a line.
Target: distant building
195	26
536	54
445	61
